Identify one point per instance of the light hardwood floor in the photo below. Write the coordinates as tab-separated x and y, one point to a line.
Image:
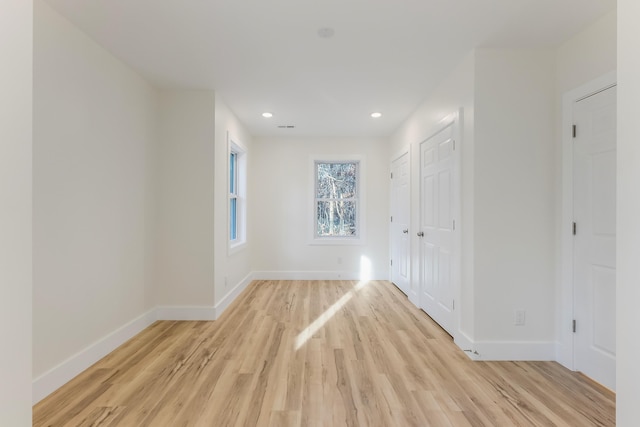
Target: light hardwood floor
316	353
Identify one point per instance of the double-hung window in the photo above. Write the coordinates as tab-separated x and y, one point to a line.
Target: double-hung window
233	196
337	201
237	195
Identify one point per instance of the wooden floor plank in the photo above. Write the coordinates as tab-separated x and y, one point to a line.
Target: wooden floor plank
318	353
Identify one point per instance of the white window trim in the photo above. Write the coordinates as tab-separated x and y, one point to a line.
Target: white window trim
235	146
362	202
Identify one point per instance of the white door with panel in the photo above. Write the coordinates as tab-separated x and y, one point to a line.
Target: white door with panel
437	166
400	222
594	229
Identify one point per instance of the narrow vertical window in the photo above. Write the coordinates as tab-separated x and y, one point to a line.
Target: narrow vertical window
233	196
237	195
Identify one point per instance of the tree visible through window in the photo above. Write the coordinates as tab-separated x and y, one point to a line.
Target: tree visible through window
336	199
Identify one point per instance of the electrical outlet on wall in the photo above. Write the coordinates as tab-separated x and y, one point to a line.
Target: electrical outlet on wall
519	318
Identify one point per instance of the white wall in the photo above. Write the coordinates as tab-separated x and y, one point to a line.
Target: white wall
231	269
587	55
514	195
280	215
184	273
94	133
508	228
628	244
16	48
456	91
196	276
124	203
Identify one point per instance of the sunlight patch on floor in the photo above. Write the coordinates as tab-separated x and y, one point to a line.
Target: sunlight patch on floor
309	331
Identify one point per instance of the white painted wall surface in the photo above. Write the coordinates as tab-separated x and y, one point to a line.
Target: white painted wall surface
514	196
508	196
280	197
587	55
230	269
16	51
456	91
628	244
94	131
184	251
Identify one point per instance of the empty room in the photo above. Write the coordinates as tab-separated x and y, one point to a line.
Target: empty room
305	213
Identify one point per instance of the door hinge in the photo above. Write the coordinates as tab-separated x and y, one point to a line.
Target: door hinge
454	225
453	305
573	325
391	175
391	219
454	145
574	131
391	263
575	229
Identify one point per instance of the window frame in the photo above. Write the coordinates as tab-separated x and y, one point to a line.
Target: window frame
359	238
238	193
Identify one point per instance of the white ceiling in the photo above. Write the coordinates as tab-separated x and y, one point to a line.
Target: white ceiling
265	55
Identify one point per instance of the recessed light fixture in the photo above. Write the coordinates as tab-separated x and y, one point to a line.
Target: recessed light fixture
376	115
267	115
326	33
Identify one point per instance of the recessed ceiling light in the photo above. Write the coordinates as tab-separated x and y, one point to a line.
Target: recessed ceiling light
376	115
326	33
267	115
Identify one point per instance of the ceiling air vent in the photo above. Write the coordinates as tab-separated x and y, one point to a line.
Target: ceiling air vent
286	126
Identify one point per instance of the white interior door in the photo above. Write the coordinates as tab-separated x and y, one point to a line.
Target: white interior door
437	227
594	249
400	222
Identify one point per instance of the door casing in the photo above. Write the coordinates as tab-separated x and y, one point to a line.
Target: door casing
594	243
565	349
455	120
394	227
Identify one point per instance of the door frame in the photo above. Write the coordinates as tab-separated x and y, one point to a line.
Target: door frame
406	150
456	121
565	348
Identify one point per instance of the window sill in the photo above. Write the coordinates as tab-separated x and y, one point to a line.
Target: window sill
337	242
236	247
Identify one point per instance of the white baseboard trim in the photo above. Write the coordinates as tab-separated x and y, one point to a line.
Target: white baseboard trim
234	293
414	298
564	355
309	275
56	377
185	313
514	350
465	344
